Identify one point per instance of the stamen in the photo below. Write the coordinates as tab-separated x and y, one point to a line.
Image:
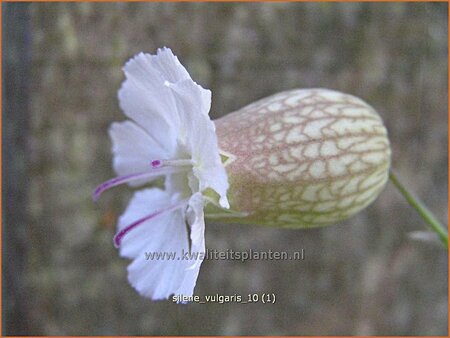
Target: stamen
172	163
119	236
154	172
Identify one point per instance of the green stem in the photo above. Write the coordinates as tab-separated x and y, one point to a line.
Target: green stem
421	209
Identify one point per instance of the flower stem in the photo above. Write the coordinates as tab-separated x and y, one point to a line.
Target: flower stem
423	211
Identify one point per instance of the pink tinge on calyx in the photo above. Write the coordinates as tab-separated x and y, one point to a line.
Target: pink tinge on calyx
121	234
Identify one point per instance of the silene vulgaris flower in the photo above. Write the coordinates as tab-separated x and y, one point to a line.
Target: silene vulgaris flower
170	136
301	158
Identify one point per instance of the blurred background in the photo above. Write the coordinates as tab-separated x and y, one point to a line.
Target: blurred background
61	72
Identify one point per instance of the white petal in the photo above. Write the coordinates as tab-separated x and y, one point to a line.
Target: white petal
214	177
169	65
143	203
201	138
157	279
133	148
191	99
196	220
145	97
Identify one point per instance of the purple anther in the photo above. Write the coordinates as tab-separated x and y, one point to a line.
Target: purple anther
156	163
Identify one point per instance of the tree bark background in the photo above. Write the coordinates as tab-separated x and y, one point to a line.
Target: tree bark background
363	276
16	64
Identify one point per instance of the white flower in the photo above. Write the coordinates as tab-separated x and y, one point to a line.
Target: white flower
170	135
